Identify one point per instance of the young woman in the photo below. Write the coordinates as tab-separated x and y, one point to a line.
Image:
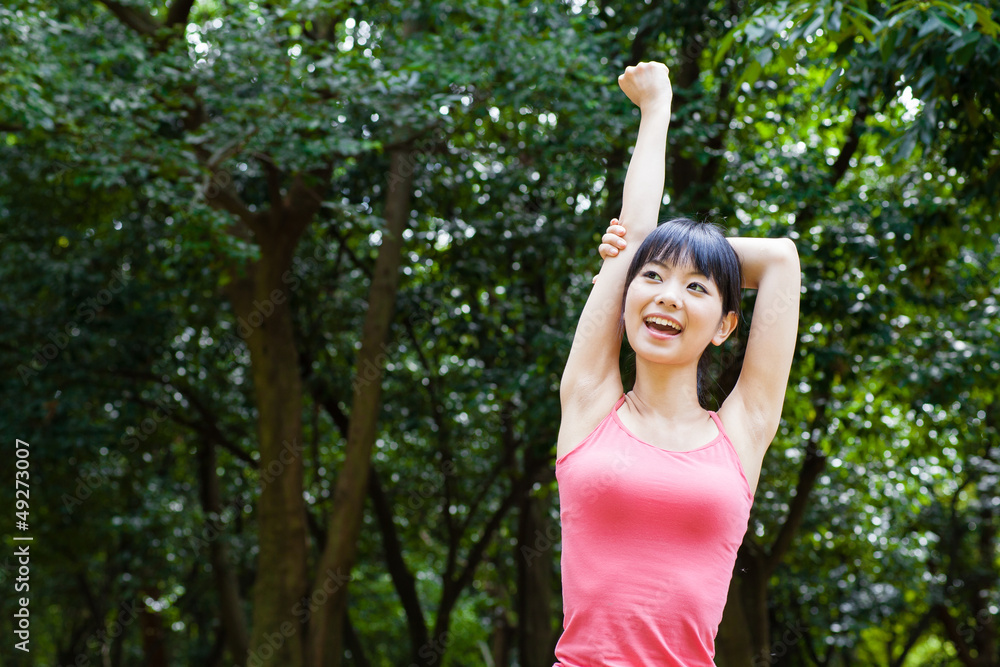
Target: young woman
655	490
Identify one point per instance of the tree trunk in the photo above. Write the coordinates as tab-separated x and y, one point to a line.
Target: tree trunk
536	536
153	631
500	644
329	597
744	634
753	598
684	168
733	644
227	586
262	307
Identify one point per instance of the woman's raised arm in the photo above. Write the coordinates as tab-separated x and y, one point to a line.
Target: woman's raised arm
591	375
771	266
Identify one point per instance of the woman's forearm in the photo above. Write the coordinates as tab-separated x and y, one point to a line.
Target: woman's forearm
763	257
648	86
643	192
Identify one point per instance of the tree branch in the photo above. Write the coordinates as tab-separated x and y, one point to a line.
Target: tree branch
204	428
272	175
358	264
229	150
843	161
207	426
178	13
136	19
218	189
954	633
95	609
475	555
508	457
454	587
812	466
324	641
316	530
303	201
916	632
402	579
339	417
840	165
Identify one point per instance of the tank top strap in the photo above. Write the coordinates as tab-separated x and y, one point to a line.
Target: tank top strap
718	423
732	449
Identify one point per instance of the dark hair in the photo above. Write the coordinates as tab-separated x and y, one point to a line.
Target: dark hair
705	246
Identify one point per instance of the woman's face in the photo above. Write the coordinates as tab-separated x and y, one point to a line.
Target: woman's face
672	313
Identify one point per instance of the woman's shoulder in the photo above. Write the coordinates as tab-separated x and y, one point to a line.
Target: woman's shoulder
582	413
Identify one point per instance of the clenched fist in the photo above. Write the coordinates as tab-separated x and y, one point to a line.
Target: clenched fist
647	85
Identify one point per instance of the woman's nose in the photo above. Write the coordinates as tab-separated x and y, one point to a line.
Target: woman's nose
668	295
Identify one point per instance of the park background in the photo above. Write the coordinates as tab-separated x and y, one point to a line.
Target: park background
289	286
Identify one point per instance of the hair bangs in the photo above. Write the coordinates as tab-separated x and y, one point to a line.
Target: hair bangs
694	245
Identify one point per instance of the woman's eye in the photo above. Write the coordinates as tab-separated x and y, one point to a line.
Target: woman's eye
698	286
651	274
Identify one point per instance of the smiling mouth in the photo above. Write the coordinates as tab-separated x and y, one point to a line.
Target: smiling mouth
661	327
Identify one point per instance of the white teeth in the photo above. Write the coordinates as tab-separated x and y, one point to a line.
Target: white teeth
663	322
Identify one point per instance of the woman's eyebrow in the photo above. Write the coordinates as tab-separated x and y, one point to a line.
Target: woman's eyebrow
693	272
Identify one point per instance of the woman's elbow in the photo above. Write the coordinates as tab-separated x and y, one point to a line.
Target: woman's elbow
788	248
787	252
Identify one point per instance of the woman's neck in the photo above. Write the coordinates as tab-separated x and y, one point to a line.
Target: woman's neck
666	393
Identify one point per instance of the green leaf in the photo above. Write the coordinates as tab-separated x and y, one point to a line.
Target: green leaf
948	24
965	54
860	12
888	45
897	18
751	73
724	46
968	39
753	31
862	28
906	146
833	23
932	24
814	25
970	17
764	56
831	81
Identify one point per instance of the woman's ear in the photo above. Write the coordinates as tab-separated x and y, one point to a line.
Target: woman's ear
727	325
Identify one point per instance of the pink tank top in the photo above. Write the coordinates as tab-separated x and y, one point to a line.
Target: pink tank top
649	540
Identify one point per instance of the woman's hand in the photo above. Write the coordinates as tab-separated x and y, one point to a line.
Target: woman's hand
647	85
612	242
